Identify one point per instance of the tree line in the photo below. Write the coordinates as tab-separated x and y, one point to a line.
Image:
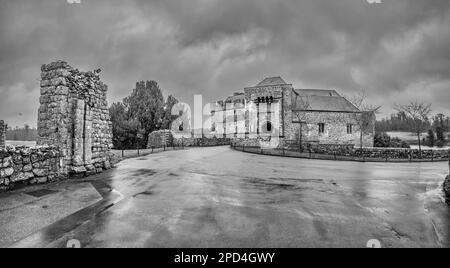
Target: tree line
25	133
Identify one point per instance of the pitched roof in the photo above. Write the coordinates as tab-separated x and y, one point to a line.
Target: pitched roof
318	92
272	81
322	100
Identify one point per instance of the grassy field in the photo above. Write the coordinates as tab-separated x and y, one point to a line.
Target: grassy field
405	136
411	139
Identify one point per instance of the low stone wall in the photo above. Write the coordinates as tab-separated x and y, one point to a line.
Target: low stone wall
447	188
25	165
201	142
351	151
402	153
2	133
160	138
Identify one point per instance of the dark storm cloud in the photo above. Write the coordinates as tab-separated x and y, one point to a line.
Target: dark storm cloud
396	50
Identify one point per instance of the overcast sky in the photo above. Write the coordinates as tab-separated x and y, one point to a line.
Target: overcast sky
397	51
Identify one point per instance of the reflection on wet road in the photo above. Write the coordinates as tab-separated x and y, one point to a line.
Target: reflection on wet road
217	197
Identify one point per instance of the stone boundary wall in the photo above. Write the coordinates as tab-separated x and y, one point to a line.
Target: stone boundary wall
402	153
2	133
158	139
351	151
202	142
447	189
29	165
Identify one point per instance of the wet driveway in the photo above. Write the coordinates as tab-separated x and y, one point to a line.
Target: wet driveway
217	197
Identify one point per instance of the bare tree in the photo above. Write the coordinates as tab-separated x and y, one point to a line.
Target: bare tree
418	114
365	118
299	106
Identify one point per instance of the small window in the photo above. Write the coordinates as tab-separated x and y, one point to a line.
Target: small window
321	128
349	129
267	128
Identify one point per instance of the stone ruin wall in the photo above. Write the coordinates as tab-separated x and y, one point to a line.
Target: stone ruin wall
2	133
447	189
22	165
74	117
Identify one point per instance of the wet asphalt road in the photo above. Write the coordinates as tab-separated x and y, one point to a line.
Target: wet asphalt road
217	197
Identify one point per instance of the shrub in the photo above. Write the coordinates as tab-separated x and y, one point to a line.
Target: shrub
405	145
382	140
431	140
440	143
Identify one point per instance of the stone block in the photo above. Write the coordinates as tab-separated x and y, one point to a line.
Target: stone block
27	168
22	176
7	162
40	172
6	172
78	170
41	180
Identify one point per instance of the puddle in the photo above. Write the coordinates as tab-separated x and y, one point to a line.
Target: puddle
143	172
41	193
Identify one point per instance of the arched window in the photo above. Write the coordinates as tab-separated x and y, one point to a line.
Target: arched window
267	128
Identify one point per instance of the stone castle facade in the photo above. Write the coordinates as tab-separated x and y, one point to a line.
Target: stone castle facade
74	117
273	108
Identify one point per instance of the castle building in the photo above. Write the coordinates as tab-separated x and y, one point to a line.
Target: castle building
308	116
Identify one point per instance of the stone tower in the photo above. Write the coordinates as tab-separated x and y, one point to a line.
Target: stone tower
74	116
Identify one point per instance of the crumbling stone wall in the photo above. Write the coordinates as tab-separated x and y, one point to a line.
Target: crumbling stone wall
2	133
74	117
24	165
447	189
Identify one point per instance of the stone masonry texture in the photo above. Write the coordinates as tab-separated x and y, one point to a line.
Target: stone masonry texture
447	188
24	165
161	138
2	133
74	117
